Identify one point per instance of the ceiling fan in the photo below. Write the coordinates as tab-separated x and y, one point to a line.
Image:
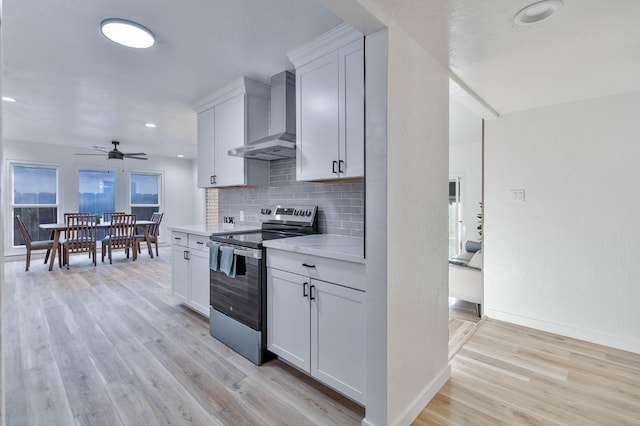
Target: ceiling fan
116	154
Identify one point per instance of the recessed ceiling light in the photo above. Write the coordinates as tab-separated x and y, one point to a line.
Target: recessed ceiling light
180	156
8	99
150	125
127	33
537	12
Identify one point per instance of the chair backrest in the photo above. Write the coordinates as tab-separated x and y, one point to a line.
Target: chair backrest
156	218
122	230
106	216
24	231
80	233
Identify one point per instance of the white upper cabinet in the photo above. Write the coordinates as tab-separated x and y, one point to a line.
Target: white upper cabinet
227	119
330	106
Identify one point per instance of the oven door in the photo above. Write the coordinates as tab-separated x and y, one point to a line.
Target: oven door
241	297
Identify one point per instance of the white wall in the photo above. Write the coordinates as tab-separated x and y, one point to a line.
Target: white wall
565	260
417	176
182	201
465	161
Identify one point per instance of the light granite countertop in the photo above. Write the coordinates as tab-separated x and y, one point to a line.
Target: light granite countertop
205	231
350	249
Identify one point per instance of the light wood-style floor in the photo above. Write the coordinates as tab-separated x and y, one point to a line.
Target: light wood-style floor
109	345
511	375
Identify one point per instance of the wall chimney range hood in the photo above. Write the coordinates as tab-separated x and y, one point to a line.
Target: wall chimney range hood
281	143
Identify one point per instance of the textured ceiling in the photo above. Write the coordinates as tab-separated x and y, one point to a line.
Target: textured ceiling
74	87
590	48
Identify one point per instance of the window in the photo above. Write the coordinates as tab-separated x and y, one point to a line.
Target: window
96	191
145	194
35	199
455	217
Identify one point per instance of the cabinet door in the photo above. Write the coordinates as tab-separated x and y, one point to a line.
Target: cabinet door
351	58
288	332
199	294
338	338
179	273
229	133
206	148
317	105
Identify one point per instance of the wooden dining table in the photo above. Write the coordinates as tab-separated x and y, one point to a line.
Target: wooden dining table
58	228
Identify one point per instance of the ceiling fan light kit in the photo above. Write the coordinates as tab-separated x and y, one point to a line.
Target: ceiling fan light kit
127	33
537	12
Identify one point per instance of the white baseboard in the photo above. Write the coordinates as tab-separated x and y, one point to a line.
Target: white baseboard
417	405
616	342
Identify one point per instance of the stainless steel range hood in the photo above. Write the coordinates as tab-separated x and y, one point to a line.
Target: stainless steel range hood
282	141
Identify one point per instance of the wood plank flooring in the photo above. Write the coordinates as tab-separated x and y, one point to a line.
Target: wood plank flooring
109	345
511	375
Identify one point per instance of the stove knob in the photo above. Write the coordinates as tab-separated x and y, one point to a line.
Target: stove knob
309	212
296	212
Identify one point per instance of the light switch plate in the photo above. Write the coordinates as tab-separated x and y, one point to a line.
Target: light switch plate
516	195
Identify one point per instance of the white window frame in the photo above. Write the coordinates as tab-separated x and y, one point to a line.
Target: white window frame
160	189
12	201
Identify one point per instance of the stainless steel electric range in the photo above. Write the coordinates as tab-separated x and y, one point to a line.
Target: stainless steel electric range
238	311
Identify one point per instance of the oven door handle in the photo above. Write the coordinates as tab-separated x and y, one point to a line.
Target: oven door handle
255	254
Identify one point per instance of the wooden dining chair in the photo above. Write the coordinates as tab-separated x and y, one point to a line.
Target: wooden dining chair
106	216
80	236
35	245
153	230
120	235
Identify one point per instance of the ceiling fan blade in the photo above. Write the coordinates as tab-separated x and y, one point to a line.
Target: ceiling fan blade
136	158
100	148
77	153
126	154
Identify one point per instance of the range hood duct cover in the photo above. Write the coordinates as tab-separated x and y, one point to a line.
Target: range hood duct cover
281	143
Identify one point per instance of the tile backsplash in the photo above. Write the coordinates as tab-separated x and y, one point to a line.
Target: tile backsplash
340	204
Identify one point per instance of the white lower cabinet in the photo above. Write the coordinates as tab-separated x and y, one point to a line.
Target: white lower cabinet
318	327
190	271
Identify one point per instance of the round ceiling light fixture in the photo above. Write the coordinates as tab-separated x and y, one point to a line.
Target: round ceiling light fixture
151	125
8	99
537	12
127	33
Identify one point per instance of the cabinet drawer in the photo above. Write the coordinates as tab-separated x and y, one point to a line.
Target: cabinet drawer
198	242
180	238
347	274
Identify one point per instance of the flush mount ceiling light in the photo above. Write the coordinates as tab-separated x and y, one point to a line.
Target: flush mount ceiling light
127	33
151	125
8	99
537	12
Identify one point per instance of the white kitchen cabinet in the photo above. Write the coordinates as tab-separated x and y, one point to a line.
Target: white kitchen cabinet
179	273
330	106
288	310
315	325
229	118
190	271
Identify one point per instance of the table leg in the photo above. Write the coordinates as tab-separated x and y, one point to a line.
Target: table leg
54	250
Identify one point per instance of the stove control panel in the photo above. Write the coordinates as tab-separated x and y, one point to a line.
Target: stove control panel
305	214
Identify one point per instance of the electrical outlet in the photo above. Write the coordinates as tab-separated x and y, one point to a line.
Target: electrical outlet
241	216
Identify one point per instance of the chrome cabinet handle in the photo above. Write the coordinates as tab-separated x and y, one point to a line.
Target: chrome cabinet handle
304	290
306	265
340	163
199	242
335	163
185	255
